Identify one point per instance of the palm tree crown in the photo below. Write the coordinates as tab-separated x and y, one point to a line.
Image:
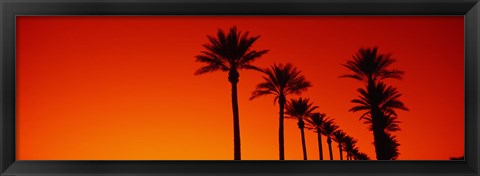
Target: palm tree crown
316	121
360	155
300	109
329	128
339	136
370	66
281	80
228	52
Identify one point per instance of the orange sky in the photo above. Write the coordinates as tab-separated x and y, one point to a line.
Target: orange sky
123	87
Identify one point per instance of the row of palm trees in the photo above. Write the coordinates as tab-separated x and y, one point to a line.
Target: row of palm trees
231	52
303	110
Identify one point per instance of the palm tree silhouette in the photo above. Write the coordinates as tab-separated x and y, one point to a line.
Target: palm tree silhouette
349	146
328	129
338	137
230	53
370	67
315	122
300	109
380	103
357	155
281	81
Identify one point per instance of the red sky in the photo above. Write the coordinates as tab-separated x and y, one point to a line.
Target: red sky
123	87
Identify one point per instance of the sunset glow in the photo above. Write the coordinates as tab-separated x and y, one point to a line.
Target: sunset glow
123	88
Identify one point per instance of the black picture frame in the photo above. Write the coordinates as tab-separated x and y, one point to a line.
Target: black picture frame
9	9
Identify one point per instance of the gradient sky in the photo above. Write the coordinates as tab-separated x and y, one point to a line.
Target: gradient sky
123	87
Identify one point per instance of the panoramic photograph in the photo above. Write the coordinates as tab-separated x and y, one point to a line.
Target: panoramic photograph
240	88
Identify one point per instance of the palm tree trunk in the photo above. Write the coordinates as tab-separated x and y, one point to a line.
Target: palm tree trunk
377	131
320	148
304	147
233	78
340	150
281	143
378	136
378	144
329	141
381	146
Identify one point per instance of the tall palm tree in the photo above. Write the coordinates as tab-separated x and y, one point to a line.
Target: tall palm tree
370	67
300	109
338	137
349	146
379	104
229	53
328	129
315	122
281	81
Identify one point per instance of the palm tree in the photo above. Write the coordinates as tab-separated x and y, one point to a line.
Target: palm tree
315	122
300	109
328	129
281	81
357	155
349	146
370	67
338	137
379	104
229	53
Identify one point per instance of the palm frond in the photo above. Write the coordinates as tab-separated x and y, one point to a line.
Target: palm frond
207	69
252	55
